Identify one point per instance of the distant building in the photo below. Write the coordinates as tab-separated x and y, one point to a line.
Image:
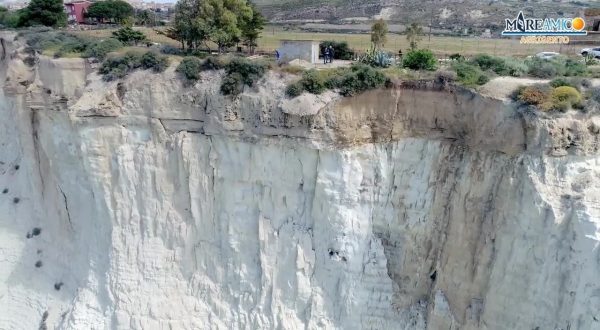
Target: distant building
76	11
305	50
16	5
138	4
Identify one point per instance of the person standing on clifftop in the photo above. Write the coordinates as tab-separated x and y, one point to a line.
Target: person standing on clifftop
331	54
326	55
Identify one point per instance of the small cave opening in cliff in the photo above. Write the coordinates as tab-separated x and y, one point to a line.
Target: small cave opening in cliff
433	276
35	232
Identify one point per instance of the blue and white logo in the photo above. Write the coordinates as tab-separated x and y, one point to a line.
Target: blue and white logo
522	26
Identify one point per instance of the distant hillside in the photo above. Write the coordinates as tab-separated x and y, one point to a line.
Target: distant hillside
447	14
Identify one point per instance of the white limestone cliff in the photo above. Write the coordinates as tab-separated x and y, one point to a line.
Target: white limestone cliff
147	204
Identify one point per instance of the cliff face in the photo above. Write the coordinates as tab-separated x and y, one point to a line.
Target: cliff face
148	204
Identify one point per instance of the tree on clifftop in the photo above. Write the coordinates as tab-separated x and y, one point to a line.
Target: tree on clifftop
10	18
252	27
3	15
222	22
186	28
145	17
43	12
223	18
379	32
129	36
413	35
113	10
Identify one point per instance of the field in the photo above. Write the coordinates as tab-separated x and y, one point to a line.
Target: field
441	45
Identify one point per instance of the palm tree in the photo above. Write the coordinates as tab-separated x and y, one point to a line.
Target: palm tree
413	35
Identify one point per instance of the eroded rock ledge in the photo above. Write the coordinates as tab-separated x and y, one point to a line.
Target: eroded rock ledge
412	109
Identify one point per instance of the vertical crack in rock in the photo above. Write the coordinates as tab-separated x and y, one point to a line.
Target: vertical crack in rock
37	147
212	159
524	117
3	44
66	206
206	111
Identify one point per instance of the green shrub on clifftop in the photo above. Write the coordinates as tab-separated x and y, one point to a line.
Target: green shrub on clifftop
62	44
349	81
294	89
214	63
101	48
240	72
361	78
543	68
545	98
129	36
532	95
190	68
469	74
118	67
564	98
156	63
313	82
488	62
422	59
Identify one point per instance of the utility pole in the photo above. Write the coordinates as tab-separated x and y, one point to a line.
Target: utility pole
431	20
154	14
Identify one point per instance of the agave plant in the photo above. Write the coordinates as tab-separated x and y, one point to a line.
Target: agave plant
382	59
376	58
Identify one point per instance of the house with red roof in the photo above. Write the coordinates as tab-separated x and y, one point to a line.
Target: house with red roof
76	11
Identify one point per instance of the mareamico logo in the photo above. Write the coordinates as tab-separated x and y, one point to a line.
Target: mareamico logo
522	26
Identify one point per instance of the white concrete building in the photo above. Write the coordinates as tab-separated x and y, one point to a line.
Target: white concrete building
306	50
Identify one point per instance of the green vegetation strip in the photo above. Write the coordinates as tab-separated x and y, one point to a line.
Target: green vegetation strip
239	72
119	66
561	94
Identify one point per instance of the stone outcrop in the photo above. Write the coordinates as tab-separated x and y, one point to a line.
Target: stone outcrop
149	204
